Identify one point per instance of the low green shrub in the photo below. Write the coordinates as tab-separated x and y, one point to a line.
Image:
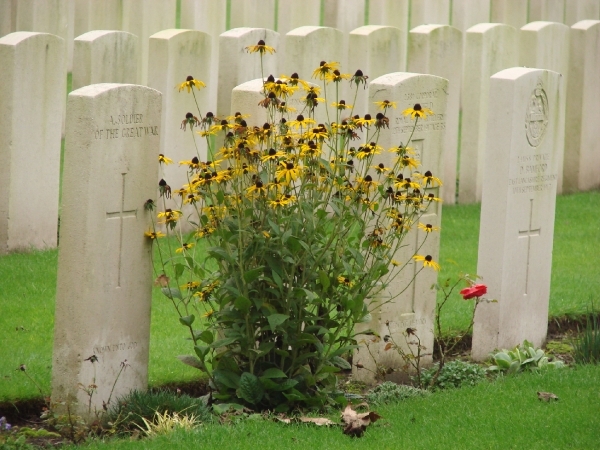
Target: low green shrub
389	392
587	347
454	374
130	411
523	357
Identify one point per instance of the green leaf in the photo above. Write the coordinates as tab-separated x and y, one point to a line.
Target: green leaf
344	349
324	279
206	336
277	279
187	320
274	372
227	378
253	274
201	351
223	342
179	268
221	408
287	384
341	363
243	304
192	361
276	320
251	389
172	292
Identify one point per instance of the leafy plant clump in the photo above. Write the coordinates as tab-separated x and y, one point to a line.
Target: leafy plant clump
137	409
587	347
523	357
454	374
390	392
304	222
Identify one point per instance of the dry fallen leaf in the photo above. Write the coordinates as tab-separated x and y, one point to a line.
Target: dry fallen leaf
356	423
546	396
162	281
320	421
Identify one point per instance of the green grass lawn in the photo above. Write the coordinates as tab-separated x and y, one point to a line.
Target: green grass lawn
497	415
28	286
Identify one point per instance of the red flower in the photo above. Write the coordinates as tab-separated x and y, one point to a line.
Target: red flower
477	290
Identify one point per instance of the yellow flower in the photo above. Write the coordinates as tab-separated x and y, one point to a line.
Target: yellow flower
169	215
336	76
163	159
256	188
301	121
323	69
341	105
428	228
272	155
432	198
394	263
261	48
190	285
288	171
205	231
345	281
386	104
367	120
427	261
418	111
193	164
184	246
190	83
381	169
154	234
407	161
294	80
428	179
368	150
208	314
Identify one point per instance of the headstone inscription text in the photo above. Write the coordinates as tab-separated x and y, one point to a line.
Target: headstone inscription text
126	126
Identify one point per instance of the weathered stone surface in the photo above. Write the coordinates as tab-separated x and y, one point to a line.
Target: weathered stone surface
32	94
509	12
103	294
423	12
524	140
548	10
415	306
467	13
577	10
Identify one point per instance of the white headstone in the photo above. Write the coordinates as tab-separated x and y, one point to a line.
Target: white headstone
437	50
509	12
97	15
237	65
393	13
376	50
582	123
105	57
306	47
103	292
545	45
548	10
415	307
144	18
177	54
524	140
424	12
44	16
577	10
467	13
32	101
344	15
489	48
211	17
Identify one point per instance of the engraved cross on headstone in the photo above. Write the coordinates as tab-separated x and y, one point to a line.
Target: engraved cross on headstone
529	234
121	215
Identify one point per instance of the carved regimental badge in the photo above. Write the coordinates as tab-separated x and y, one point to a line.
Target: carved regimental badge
536	117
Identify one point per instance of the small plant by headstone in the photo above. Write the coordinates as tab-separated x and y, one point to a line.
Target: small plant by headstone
454	374
522	358
390	392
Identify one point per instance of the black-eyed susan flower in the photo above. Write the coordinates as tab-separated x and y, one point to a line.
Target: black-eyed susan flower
162	159
385	104
164	189
154	234
324	68
301	121
193	164
208	314
380	169
185	246
427	261
261	48
222	126
189	83
257	188
428	179
427	227
418	111
190	120
341	105
272	155
204	231
288	172
408	162
359	78
366	121
190	285
335	76
368	150
432	198
310	148
345	281
381	121
169	215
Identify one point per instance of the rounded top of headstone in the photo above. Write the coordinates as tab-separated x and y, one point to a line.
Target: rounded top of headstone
308	29
399	77
96	34
541	24
172	32
368	29
484	27
94	90
428	28
517	72
586	24
238	32
21	36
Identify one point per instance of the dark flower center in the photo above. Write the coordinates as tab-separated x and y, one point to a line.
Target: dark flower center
417	107
189	78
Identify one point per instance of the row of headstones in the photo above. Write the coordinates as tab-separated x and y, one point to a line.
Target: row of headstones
102	325
105	56
69	18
